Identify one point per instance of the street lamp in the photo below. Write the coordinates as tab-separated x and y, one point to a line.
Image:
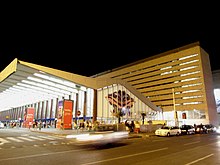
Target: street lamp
143	116
55	123
174	109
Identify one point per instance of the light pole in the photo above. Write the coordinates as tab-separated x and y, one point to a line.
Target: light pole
143	116
174	109
55	123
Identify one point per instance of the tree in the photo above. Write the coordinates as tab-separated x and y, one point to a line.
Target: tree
119	114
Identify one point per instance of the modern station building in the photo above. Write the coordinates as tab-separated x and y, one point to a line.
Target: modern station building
174	86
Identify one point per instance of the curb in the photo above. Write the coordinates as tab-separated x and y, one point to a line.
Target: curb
137	136
141	135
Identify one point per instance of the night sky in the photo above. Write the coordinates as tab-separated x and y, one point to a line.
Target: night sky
87	44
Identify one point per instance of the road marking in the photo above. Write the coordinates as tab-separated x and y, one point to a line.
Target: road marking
46	137
36	138
126	156
4	141
24	138
57	137
191	143
29	138
14	139
195	161
40	155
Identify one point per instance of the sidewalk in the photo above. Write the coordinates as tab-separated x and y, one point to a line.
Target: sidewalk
60	132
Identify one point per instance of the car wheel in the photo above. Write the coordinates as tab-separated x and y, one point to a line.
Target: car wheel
178	134
168	134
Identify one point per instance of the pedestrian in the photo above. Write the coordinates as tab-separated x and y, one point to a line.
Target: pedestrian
195	126
36	124
87	125
29	124
61	126
90	125
40	125
132	126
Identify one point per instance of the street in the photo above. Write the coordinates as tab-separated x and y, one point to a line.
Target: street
18	147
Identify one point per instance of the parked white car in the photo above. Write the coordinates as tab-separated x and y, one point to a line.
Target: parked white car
168	131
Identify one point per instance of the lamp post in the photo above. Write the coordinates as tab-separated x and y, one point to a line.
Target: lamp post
174	109
143	116
55	123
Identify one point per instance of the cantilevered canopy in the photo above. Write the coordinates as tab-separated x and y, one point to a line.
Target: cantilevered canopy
23	83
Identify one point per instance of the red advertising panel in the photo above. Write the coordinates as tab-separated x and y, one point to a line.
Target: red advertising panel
28	117
64	114
67	114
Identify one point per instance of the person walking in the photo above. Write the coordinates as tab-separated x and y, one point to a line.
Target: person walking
132	126
40	125
29	124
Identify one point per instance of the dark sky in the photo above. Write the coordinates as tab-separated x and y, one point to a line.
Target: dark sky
89	43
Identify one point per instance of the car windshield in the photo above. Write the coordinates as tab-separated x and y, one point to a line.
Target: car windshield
186	127
208	126
165	127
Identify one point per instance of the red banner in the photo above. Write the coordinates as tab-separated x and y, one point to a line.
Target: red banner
67	117
65	114
28	117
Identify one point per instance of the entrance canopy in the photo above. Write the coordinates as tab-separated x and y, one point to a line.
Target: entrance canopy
23	83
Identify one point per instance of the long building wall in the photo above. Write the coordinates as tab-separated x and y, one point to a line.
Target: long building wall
182	76
178	80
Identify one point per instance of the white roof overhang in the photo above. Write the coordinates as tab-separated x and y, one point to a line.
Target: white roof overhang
23	83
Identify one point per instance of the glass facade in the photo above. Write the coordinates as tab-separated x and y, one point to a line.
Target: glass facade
116	101
112	101
46	110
